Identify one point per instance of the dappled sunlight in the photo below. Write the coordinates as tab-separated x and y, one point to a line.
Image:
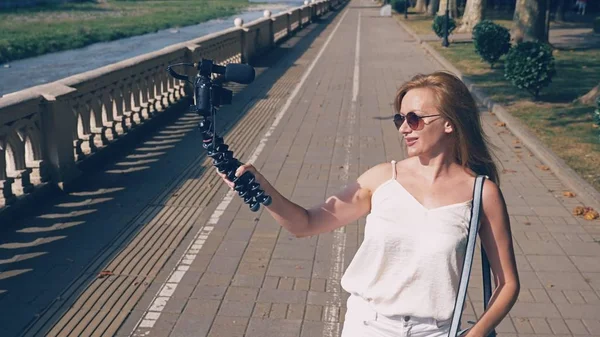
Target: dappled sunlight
145	155
99	191
22	257
137	162
34	243
18	253
66	215
129	170
55	227
178	132
179	128
161	142
86	202
12	273
177	136
155	148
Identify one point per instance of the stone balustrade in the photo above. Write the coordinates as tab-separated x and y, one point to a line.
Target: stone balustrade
47	131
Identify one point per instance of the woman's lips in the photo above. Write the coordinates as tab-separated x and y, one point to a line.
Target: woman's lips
410	141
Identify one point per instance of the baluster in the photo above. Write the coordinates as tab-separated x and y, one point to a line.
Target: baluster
22	182
39	172
107	114
99	129
7	196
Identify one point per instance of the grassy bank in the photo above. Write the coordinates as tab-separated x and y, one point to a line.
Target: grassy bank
421	23
36	31
564	127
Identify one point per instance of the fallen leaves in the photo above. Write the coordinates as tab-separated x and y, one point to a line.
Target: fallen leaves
588	213
501	124
568	194
508	171
543	167
591	215
105	273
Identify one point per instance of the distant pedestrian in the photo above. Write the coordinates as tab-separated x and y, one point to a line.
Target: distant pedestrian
581	4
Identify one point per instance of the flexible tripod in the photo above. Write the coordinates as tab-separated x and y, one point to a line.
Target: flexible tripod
209	96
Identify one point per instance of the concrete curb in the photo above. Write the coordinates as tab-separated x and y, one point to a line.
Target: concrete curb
586	192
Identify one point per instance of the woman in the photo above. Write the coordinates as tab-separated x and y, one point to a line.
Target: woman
404	277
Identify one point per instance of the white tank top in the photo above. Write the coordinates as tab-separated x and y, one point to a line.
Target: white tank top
410	260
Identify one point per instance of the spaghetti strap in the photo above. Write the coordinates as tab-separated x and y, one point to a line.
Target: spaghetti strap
394	169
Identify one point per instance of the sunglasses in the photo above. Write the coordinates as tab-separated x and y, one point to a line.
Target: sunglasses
413	120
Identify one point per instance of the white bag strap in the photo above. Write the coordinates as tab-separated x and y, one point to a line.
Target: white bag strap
468	263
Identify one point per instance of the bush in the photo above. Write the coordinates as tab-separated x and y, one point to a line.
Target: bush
597	25
530	66
491	41
398	5
438	25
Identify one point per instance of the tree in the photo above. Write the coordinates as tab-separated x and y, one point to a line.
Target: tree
421	6
451	6
433	6
474	13
529	21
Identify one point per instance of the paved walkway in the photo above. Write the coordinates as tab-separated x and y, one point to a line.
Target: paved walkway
154	245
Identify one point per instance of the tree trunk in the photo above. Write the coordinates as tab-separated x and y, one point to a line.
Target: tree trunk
433	6
420	7
474	13
591	96
560	11
451	6
529	21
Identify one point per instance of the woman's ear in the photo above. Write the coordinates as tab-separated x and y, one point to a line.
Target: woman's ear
448	128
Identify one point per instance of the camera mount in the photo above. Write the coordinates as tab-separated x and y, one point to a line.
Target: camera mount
208	97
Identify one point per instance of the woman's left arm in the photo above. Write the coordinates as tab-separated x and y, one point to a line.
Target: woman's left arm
496	238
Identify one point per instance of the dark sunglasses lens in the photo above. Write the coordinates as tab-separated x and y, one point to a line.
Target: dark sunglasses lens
413	120
398	120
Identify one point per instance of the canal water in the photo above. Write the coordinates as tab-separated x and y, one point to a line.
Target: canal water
22	74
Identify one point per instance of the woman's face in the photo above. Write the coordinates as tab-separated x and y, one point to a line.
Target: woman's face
428	135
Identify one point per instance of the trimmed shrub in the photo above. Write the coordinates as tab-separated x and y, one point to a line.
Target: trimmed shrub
530	66
398	5
438	25
597	24
491	41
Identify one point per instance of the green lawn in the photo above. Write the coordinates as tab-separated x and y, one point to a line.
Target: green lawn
566	128
421	24
35	31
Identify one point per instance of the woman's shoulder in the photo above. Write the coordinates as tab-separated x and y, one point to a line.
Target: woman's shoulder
382	172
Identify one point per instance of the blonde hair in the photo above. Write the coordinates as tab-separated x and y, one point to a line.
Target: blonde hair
457	105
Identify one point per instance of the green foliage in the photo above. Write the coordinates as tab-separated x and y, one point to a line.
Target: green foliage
530	66
398	5
597	111
28	32
597	24
438	25
491	41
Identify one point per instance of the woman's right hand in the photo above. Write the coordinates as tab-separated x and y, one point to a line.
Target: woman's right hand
241	170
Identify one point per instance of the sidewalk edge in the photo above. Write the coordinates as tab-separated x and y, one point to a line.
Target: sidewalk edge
584	190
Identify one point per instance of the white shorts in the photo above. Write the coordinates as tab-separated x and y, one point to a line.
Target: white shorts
362	321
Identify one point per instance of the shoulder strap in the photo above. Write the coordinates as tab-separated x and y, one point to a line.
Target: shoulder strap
393	169
468	262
